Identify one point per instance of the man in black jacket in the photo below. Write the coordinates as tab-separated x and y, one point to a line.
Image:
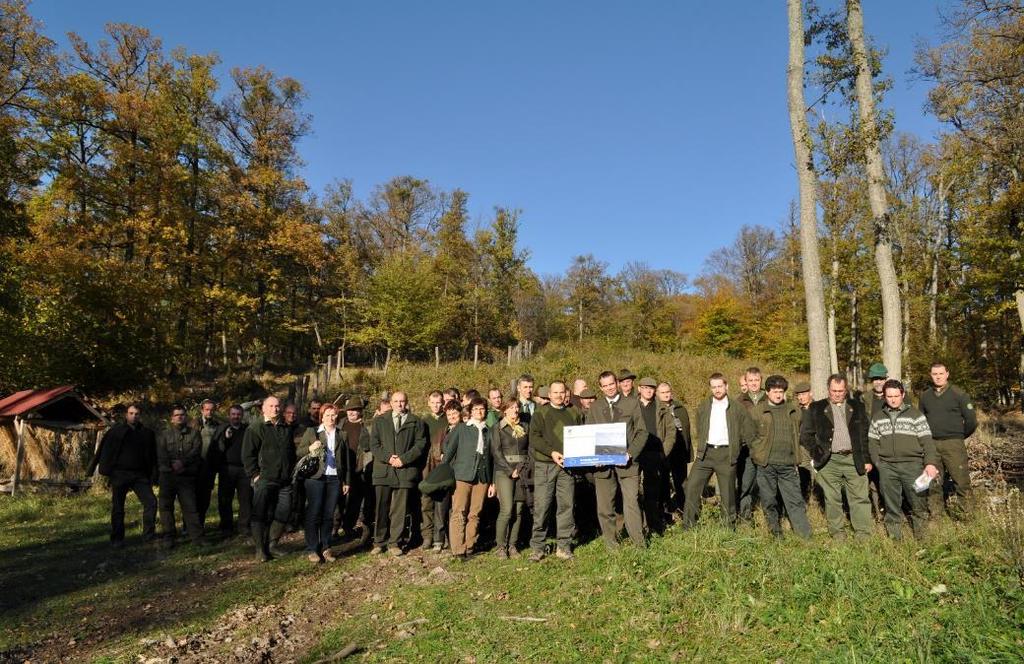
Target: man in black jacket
233	479
127	457
268	455
835	433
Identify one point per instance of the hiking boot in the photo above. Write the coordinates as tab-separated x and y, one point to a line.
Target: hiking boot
536	556
328	556
276	530
435	547
396	552
313	558
377	550
564	554
501	554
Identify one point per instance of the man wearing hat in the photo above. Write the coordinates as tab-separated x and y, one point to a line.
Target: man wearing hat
652	458
587	397
614	407
802	392
359	503
626	378
874	401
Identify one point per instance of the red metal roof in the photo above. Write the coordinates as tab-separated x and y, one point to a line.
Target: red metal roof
25	401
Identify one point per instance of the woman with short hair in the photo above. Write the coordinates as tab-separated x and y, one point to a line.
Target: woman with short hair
467	452
326	487
509	450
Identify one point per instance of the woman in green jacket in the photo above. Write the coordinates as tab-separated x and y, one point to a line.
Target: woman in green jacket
467	452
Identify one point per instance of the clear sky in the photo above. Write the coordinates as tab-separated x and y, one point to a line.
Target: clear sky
647	130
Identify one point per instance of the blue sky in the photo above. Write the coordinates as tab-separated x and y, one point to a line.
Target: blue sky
648	130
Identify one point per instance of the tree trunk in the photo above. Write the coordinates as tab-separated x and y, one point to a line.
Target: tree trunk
892	350
833	352
855	366
810	259
1019	296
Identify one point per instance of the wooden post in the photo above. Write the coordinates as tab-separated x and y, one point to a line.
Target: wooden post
292	389
437	357
329	360
342	351
387	361
337	365
19	427
476	354
224	346
509	356
96	449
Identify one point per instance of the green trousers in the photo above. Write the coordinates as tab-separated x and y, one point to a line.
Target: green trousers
774	481
717	462
896	482
554	490
839	474
952	466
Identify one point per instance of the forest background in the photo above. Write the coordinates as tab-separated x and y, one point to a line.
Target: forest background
155	227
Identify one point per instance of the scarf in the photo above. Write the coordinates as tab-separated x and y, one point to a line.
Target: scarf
517	429
479	435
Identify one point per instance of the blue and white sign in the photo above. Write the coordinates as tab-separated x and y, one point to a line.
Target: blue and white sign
595	445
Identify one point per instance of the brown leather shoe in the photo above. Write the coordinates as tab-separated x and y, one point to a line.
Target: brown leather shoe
328	556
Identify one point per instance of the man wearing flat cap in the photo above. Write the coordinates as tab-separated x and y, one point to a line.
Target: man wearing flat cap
652	458
626	378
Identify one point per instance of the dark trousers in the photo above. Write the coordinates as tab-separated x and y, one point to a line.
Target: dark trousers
775	480
896	483
652	480
233	481
121	483
322	496
204	490
184	489
271	501
392	507
435	509
606	488
747	484
717	461
552	484
953	472
359	504
678	461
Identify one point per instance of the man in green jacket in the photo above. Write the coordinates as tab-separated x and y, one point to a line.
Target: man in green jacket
952	419
776	453
268	456
746	482
901	445
723	428
673	428
611	408
553	483
208	423
398	440
179	455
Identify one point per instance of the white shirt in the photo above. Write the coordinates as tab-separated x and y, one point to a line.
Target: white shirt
718	430
331	437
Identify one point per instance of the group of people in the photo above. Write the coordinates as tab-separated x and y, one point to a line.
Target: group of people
396	479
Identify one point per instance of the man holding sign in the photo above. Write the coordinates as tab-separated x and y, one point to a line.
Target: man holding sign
614	408
551	481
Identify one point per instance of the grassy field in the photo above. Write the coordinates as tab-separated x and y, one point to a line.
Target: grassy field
702	595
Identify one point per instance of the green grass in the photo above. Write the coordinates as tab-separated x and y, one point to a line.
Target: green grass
713	595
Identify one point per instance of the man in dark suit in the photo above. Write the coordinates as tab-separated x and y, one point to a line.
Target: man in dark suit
835	433
398	441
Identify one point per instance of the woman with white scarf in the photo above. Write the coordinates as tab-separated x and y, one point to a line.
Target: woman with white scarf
467	451
324	489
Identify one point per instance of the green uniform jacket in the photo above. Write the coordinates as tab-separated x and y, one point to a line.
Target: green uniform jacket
460	453
341	451
674	429
742	430
901	435
762	445
626	409
872	403
546	427
183	445
268	451
409	443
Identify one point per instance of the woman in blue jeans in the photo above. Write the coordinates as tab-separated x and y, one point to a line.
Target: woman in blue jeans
324	489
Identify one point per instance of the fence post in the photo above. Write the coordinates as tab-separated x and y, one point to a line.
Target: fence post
509	363
437	357
476	354
387	361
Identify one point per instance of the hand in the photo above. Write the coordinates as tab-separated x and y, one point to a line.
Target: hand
315	447
868	468
344	489
229	432
558	458
395	462
491	491
255	480
177	466
626	462
515	474
932	471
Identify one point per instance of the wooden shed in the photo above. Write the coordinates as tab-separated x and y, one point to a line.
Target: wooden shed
48	436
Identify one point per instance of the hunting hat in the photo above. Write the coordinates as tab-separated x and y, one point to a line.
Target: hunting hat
877	370
802	387
588	394
543	392
625	374
354	403
647	381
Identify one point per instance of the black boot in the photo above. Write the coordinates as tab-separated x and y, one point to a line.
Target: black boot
259	532
276	530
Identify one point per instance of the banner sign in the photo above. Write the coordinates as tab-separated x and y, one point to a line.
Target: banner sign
595	445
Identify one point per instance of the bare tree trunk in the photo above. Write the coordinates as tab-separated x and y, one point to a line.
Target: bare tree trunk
892	341
1019	296
855	366
833	352
810	259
